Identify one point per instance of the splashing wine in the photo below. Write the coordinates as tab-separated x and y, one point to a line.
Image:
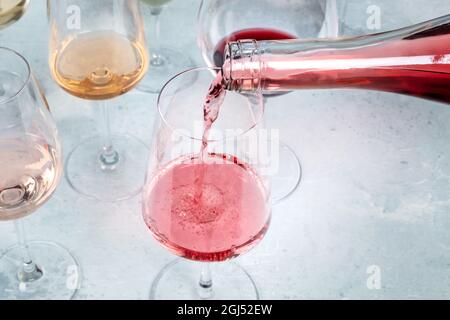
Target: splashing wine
208	207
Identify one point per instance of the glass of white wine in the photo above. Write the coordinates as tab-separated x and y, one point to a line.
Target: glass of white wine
30	162
11	11
164	62
98	52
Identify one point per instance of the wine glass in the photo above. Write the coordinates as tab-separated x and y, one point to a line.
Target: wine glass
164	62
11	11
210	206
98	52
30	162
222	21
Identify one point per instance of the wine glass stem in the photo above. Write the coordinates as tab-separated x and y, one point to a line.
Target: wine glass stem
109	157
205	285
156	58
28	271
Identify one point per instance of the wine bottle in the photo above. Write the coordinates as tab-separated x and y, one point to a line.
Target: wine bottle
413	61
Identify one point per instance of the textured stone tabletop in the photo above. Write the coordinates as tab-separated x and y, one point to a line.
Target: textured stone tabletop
374	199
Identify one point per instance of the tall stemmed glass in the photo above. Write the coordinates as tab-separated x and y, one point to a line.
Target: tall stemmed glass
30	162
164	62
11	11
212	206
222	21
98	52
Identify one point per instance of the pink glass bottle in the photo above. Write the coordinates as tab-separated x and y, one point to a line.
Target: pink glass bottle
413	61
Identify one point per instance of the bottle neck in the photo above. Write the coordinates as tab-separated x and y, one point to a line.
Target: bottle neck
242	66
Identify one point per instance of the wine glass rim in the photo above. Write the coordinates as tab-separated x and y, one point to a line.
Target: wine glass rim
210	69
25	82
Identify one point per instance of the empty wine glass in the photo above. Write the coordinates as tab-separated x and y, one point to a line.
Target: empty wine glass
211	206
11	11
30	162
164	62
222	21
98	52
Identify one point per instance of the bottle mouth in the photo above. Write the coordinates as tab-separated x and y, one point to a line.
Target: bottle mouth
242	66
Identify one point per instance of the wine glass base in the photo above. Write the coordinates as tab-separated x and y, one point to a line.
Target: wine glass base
179	280
169	64
286	181
86	176
61	273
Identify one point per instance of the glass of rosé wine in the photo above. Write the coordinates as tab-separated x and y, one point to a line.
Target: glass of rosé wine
98	53
30	171
207	192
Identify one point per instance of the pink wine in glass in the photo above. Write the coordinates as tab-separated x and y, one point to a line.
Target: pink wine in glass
253	33
227	218
413	61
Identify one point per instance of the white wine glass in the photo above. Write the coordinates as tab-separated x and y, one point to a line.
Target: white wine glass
98	52
164	62
11	11
31	166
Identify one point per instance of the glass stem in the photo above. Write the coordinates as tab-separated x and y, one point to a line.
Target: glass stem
109	157
205	284
28	271
156	57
